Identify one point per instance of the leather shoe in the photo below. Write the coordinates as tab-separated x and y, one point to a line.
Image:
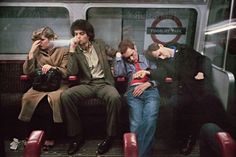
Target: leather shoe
105	145
75	146
187	145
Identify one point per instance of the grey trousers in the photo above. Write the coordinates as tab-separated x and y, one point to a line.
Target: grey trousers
73	96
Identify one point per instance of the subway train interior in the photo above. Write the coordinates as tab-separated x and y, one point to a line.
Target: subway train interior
208	26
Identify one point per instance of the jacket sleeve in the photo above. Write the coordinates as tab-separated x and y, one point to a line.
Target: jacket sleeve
111	52
72	66
119	67
29	65
161	71
205	66
63	66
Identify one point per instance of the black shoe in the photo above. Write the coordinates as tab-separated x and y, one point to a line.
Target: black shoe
187	145
75	145
105	145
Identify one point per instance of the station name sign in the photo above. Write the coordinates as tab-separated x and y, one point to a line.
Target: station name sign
165	30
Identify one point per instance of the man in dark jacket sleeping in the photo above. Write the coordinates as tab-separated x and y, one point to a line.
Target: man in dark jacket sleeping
192	93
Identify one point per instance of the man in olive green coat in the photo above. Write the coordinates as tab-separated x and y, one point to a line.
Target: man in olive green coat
89	60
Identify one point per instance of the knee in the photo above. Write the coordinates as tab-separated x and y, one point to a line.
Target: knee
64	97
152	119
115	100
209	129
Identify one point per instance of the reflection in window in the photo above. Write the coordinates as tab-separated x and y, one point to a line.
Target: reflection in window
219	11
18	23
215	47
144	25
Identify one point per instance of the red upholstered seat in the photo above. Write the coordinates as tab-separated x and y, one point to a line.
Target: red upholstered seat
227	144
130	145
34	143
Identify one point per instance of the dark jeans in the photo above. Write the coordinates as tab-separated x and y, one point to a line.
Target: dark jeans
42	119
209	146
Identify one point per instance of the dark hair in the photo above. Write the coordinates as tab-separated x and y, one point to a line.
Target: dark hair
44	31
83	25
124	45
151	48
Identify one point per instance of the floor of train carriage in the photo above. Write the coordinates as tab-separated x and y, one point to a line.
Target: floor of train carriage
161	149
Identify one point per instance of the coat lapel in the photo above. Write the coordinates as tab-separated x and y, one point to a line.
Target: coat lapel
83	62
99	53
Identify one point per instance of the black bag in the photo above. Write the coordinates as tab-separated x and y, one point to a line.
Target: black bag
47	82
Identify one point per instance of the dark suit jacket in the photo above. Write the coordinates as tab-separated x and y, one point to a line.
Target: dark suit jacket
196	94
78	65
182	68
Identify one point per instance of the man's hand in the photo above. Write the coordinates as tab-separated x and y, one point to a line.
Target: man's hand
139	89
73	44
118	54
141	74
199	76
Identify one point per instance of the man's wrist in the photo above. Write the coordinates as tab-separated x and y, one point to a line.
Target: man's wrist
147	72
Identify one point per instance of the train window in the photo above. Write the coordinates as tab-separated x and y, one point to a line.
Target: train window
215	46
144	25
17	24
218	40
219	11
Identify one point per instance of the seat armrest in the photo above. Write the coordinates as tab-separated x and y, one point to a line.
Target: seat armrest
73	78
121	84
26	82
24	77
130	145
227	144
34	143
120	79
168	80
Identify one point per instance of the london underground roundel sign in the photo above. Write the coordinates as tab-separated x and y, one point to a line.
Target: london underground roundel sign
176	31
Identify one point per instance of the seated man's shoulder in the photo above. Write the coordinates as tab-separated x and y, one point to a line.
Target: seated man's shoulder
99	41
